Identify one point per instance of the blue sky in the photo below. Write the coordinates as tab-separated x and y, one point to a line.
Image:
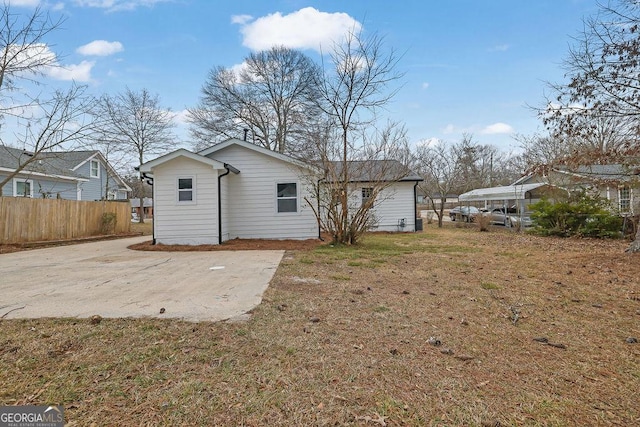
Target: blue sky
471	66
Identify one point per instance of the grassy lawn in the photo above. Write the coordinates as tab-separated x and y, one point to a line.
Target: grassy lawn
146	228
446	327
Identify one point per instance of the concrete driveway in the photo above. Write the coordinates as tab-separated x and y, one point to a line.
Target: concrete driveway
107	279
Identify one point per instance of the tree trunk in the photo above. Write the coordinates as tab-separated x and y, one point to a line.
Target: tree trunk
635	245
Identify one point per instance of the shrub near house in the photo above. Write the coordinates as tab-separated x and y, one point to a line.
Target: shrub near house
578	215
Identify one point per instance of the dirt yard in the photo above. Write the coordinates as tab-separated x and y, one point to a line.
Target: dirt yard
446	327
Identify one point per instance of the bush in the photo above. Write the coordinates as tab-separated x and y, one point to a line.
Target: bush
109	221
484	220
578	215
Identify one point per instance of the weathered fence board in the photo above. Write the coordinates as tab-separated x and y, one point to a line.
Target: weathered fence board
24	220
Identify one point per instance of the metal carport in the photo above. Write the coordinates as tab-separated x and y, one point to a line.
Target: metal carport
504	193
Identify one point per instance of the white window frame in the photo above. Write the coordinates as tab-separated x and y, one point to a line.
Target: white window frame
629	199
91	163
15	187
364	198
192	190
296	198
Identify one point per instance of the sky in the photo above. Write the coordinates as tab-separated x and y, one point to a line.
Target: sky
469	66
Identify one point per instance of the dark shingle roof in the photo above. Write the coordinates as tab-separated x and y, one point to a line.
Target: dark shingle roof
374	170
613	172
50	163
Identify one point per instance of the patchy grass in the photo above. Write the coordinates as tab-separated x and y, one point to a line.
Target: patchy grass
358	351
146	228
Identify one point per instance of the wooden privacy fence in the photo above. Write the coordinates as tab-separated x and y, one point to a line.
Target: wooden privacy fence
24	220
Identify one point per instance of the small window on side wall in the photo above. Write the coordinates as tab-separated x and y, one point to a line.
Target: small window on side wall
287	197
23	188
185	190
367	192
624	199
95	169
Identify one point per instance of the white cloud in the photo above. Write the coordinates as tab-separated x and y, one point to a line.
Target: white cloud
425	85
308	28
181	117
241	19
118	5
29	57
239	68
58	6
100	48
428	142
449	129
39	58
78	72
497	128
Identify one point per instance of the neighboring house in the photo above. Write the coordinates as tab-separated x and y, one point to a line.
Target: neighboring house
71	175
620	184
450	200
236	189
147	205
617	183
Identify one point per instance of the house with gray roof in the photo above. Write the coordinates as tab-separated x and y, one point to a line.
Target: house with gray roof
236	189
618	183
71	175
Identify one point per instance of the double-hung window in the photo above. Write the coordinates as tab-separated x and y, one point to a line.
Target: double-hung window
624	198
94	167
186	191
287	197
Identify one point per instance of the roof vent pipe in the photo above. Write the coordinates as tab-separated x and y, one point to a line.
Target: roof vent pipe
246	131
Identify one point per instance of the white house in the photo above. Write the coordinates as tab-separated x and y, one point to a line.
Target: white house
236	189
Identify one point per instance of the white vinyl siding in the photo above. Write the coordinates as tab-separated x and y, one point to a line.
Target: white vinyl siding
251	197
177	222
393	205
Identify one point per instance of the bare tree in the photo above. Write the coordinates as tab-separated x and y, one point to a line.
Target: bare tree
60	122
271	96
24	52
602	70
371	174
50	121
137	123
441	167
351	91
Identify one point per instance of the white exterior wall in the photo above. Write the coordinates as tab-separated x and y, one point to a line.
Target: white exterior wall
179	223
250	199
393	204
224	196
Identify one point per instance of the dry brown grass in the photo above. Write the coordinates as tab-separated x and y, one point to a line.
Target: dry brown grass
342	338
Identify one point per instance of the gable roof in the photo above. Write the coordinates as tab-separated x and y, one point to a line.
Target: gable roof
258	149
48	164
375	171
613	172
58	164
150	165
